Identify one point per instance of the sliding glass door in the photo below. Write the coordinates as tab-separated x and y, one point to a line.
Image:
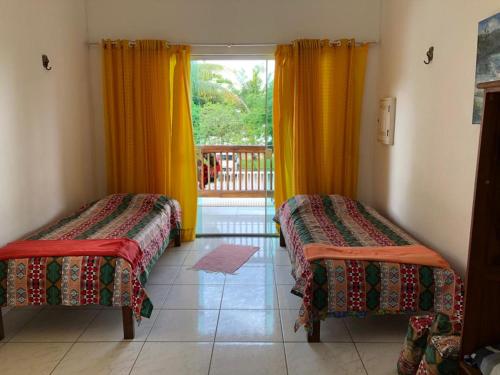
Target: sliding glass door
269	162
232	120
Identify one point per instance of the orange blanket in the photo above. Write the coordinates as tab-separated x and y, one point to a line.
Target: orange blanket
410	254
120	247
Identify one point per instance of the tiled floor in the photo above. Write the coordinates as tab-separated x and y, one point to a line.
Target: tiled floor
202	324
217	218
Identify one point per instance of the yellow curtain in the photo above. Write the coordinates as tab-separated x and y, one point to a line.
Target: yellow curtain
318	92
149	135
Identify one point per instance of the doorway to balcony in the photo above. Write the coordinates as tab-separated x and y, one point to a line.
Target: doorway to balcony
232	121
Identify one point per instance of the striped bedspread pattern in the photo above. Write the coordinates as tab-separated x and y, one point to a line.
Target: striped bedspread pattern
348	287
151	220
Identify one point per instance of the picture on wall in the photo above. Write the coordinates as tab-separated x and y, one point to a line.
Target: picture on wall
487	60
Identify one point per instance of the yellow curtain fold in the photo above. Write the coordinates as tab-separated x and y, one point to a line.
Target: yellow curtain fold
148	128
318	92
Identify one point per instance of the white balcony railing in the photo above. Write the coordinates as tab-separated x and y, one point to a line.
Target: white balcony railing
235	171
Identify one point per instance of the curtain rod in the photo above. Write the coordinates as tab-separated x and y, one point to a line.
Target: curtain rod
229	45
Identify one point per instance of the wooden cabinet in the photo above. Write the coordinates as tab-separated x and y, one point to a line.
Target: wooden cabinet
482	304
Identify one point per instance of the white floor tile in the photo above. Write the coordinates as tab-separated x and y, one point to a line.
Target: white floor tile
252	211
31	358
252	275
249	325
108	326
203	244
99	358
247	241
184	325
158	293
163	274
283	275
186	358
323	359
261	257
56	326
172	258
332	329
286	299
248	359
194	256
281	258
185	246
15	320
194	297
250	297
242	220
378	328
189	276
219	211
379	358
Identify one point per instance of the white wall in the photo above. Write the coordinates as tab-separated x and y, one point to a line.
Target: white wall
425	182
237	21
46	141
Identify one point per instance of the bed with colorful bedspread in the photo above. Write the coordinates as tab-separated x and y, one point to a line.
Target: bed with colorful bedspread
81	273
353	287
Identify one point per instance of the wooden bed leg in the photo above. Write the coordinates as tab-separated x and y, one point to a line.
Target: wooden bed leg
282	239
2	331
128	323
177	240
313	336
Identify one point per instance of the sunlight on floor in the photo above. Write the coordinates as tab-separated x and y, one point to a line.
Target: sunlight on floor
235	216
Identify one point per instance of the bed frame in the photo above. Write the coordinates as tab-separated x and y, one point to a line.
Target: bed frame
314	334
127	313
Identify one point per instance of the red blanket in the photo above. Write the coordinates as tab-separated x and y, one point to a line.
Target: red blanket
119	247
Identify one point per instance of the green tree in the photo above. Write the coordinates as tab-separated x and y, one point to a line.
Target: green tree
253	93
269	105
208	85
228	111
195	116
220	124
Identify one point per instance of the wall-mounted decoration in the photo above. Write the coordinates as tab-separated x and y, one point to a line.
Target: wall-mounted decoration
45	62
487	61
430	55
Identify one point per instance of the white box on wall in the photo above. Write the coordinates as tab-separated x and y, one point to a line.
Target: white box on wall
386	121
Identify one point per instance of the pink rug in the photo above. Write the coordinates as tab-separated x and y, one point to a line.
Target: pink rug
225	258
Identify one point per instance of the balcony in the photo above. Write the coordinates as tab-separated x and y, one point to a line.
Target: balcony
235	190
235	171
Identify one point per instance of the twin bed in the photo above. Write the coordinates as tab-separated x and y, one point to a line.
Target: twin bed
349	260
102	255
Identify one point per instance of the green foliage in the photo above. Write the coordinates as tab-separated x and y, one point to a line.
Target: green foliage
229	111
195	115
208	85
219	124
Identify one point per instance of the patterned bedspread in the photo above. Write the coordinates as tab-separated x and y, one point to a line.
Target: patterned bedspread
151	220
339	288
